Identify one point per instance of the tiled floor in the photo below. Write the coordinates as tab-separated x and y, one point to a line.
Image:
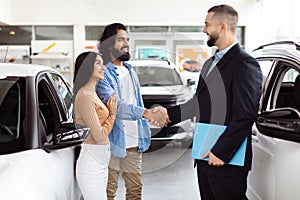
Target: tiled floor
168	174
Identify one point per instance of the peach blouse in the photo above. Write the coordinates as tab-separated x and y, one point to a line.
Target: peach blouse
91	112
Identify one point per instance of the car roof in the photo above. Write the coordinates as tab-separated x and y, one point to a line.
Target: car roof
280	49
152	63
22	70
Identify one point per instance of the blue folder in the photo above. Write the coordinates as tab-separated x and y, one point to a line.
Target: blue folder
205	137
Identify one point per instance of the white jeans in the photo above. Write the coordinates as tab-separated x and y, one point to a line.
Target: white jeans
92	171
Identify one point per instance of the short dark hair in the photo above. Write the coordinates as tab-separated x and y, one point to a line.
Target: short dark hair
84	67
227	13
107	40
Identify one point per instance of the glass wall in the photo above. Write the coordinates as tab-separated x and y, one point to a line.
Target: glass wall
53	32
15	35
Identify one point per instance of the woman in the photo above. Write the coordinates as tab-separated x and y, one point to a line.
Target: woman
89	110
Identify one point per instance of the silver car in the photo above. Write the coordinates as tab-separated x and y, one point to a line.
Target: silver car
275	170
162	85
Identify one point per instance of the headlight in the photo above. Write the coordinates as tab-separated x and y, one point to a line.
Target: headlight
183	99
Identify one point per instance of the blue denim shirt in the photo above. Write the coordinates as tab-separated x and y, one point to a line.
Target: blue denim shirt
105	88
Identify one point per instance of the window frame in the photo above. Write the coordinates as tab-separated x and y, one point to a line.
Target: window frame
67	110
275	78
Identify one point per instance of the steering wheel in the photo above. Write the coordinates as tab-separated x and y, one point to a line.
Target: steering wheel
6	131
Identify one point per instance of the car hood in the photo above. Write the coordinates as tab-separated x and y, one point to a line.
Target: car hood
176	90
36	174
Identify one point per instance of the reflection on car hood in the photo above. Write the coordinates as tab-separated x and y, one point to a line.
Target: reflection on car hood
14	162
177	90
3	165
36	174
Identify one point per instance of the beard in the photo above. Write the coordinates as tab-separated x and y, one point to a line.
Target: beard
119	55
214	36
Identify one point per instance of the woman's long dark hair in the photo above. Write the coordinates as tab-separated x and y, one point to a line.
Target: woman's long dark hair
84	67
107	40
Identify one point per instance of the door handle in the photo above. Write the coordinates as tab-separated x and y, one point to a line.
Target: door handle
254	132
255	139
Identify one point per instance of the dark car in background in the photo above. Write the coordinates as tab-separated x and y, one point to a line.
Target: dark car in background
275	170
162	85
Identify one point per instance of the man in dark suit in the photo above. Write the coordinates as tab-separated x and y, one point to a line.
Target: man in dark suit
228	93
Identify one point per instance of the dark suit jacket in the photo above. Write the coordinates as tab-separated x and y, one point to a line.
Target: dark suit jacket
229	96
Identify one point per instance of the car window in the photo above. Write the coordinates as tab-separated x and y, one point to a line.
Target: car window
12	94
290	76
283	92
48	111
64	92
157	76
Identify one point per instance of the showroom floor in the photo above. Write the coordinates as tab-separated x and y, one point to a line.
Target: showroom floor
168	174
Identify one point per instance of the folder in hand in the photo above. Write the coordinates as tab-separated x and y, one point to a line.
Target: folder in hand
205	137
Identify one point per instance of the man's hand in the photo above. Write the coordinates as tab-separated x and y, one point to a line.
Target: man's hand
157	116
213	160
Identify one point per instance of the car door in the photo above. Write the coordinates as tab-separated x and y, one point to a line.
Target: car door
261	147
44	168
274	156
55	104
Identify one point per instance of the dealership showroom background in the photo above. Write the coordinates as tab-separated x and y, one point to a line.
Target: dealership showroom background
55	32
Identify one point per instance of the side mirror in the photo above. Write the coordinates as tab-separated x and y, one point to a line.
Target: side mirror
190	82
283	123
67	135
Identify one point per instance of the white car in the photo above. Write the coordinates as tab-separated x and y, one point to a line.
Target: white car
162	85
275	170
37	137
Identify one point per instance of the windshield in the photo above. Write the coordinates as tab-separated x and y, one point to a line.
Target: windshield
157	76
12	92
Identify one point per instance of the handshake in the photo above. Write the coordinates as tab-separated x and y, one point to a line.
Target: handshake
157	116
